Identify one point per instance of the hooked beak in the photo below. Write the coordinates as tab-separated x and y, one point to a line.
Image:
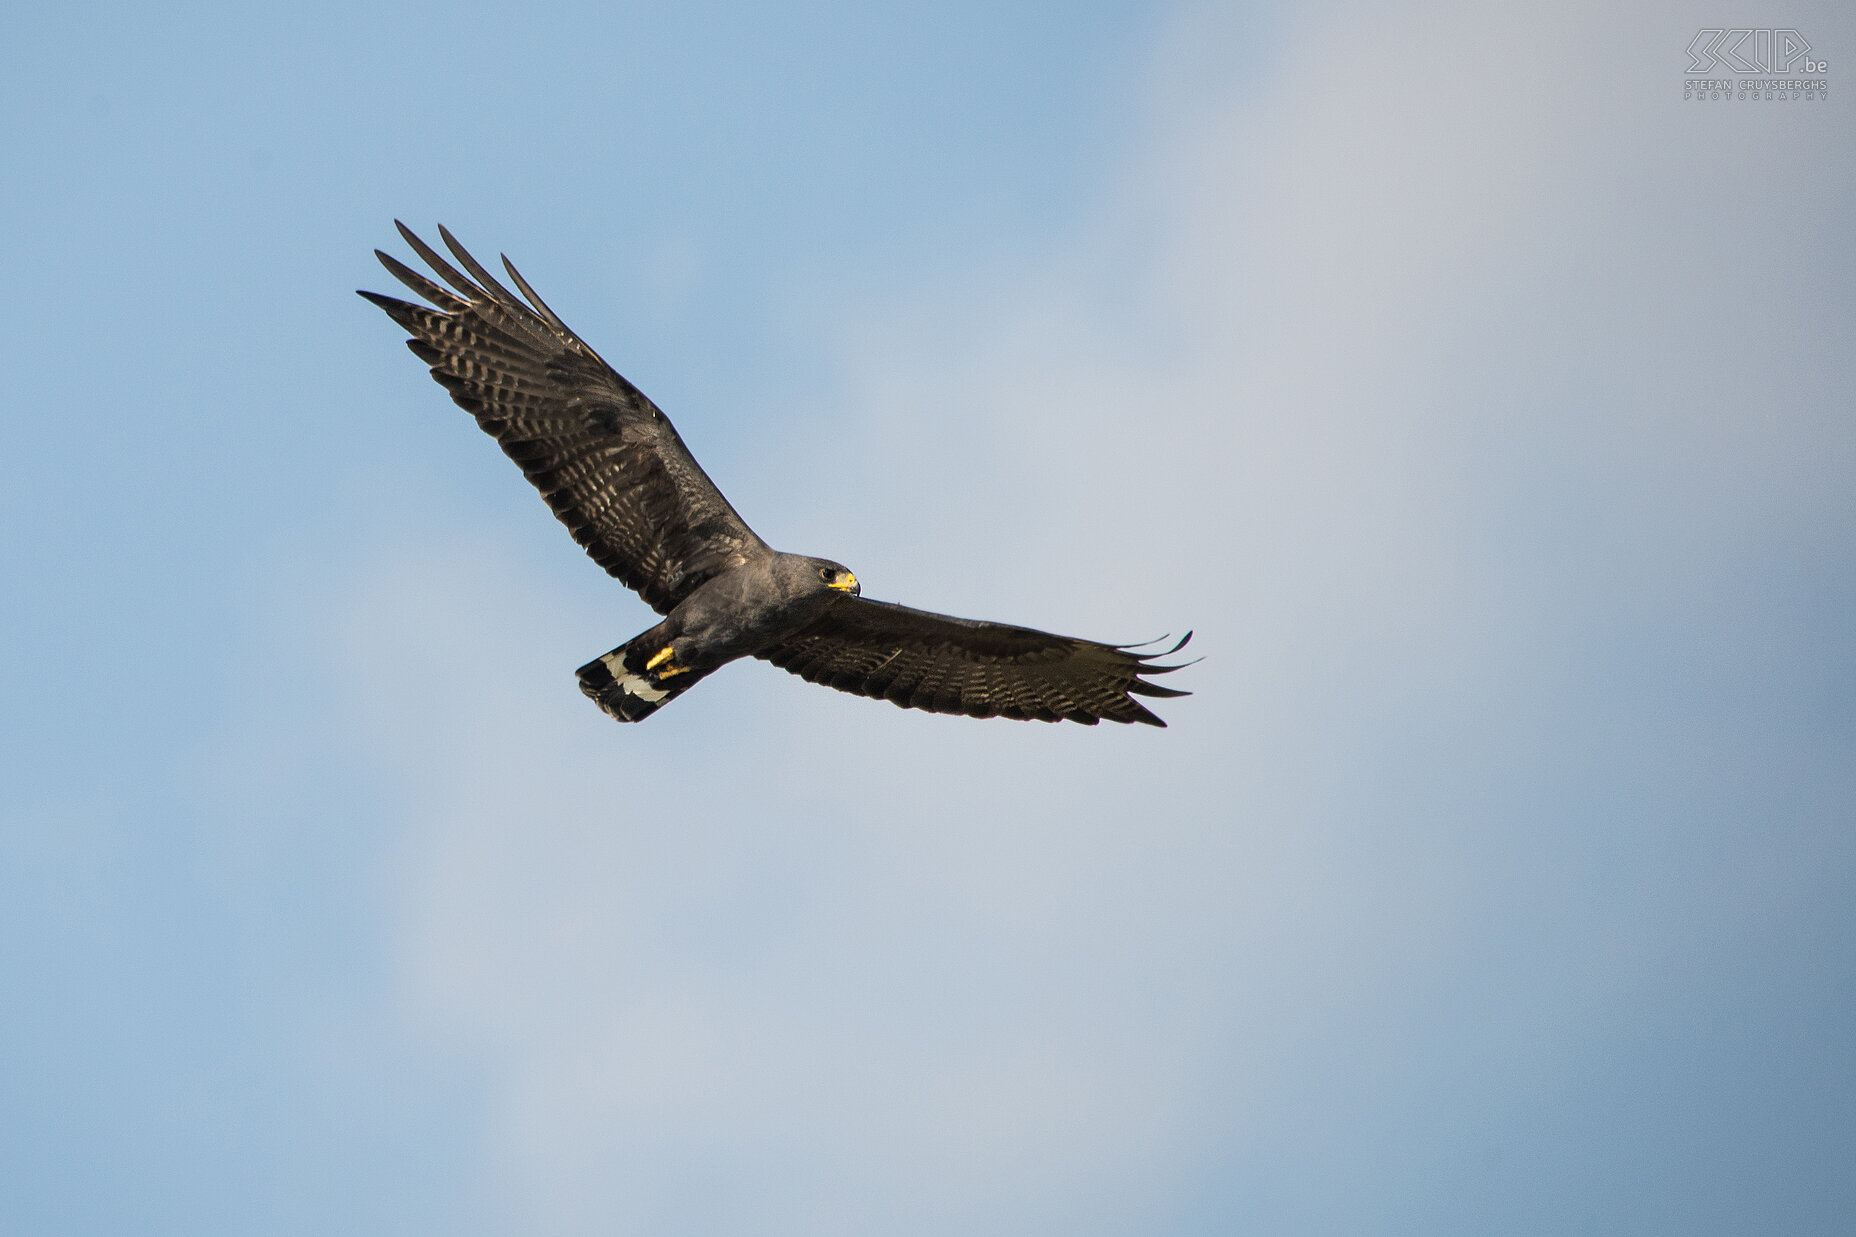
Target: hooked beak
847	583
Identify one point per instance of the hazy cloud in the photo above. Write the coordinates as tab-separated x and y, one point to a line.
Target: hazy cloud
1391	364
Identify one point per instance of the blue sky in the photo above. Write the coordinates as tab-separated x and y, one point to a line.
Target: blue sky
1484	406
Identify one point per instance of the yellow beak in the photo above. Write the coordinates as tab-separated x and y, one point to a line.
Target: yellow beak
846	582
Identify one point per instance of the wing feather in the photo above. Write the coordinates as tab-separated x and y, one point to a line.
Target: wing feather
607	461
942	664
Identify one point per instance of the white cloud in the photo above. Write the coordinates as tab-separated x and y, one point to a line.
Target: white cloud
1366	370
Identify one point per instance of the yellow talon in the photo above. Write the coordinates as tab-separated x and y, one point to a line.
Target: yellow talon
662	657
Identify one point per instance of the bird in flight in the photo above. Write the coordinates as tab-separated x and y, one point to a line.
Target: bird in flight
615	471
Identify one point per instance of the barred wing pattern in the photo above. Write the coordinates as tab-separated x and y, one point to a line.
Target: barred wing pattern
942	664
607	461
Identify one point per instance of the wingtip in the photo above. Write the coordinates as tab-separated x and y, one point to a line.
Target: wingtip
1141	644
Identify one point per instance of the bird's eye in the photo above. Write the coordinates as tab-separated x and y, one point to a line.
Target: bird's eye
824	573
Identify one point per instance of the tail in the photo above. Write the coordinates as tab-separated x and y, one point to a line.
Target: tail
621	684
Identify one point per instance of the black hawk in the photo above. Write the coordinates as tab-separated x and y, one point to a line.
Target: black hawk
613	469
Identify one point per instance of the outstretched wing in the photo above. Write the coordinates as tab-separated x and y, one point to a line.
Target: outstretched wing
606	460
953	665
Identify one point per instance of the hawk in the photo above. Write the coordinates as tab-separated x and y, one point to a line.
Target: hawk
614	470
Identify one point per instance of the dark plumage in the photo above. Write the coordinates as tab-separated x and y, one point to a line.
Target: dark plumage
612	467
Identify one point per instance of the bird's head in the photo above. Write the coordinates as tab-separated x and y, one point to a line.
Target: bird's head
801	575
838	576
